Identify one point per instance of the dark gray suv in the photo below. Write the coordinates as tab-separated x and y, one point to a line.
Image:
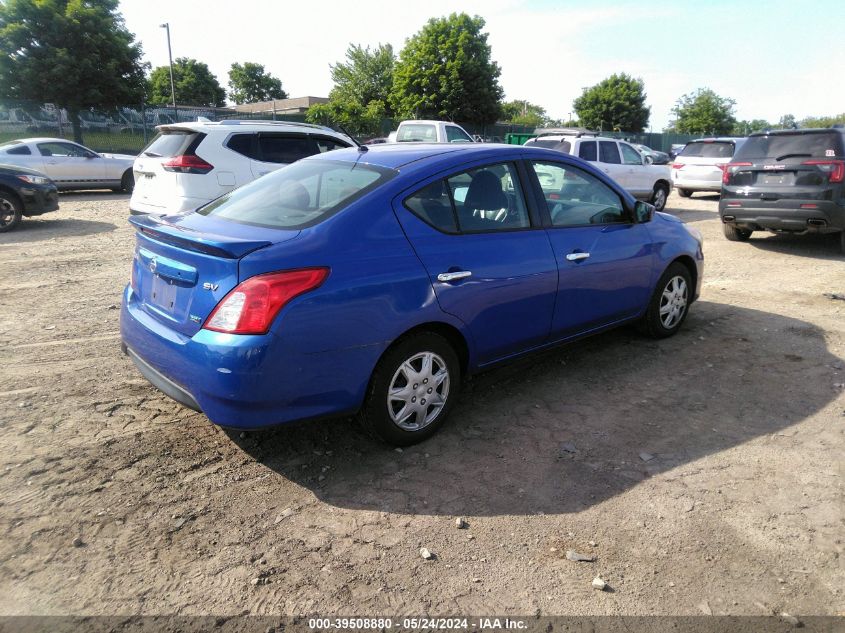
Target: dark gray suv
786	181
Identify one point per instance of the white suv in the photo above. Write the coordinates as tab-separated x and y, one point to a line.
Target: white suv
700	165
619	160
189	164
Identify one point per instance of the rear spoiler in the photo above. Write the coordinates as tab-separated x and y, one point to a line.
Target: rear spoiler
156	228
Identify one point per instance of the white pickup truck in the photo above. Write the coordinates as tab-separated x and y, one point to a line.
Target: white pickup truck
431	132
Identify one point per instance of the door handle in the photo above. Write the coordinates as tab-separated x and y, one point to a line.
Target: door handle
577	257
447	277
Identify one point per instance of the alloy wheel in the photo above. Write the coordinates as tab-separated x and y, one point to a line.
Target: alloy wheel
418	391
673	303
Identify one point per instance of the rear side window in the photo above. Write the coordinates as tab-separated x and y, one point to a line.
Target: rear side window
709	149
416	132
299	195
170	143
243	145
609	153
433	205
19	150
588	151
285	149
783	146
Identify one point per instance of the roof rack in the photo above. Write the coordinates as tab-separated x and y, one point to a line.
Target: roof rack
266	122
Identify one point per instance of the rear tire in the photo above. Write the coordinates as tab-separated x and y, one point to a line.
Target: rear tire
659	196
684	193
669	304
127	182
422	367
842	241
735	234
10	211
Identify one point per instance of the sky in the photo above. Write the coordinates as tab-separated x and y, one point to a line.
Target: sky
773	57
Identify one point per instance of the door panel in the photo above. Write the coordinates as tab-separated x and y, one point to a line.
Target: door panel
604	260
500	280
70	163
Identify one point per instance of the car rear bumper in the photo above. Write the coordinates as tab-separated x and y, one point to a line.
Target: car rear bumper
176	204
784	215
696	184
241	381
37	200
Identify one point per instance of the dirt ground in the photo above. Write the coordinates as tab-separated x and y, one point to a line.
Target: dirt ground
704	473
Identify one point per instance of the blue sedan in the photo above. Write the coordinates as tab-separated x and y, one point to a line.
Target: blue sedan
371	281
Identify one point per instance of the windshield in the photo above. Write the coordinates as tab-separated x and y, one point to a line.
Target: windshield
800	145
299	195
709	149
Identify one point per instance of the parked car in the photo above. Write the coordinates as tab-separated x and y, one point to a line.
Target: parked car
431	132
618	159
657	157
786	181
190	164
676	149
699	166
373	280
24	192
70	165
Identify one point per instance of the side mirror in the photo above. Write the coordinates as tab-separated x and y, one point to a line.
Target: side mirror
643	212
648	160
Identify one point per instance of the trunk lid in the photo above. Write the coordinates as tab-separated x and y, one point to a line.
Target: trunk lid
184	265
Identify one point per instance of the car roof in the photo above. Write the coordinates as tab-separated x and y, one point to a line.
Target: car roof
45	139
812	130
231	125
428	121
717	139
397	155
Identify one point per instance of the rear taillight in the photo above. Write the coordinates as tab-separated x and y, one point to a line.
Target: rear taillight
677	165
252	305
729	169
187	164
835	169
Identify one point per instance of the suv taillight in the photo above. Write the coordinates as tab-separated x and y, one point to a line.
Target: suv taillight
253	304
188	164
834	168
726	170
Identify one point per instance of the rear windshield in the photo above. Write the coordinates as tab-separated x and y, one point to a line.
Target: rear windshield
169	143
298	196
783	146
709	149
561	146
417	132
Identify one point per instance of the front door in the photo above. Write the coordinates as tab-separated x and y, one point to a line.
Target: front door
69	163
490	264
604	259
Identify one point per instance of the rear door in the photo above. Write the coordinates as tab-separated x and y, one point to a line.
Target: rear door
489	262
155	186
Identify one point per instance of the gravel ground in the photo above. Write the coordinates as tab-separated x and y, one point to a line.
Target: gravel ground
703	473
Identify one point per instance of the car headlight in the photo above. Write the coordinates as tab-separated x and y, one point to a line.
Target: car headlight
35	180
695	233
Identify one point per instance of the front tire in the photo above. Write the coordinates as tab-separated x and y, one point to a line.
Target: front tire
669	304
684	193
659	196
735	234
412	390
10	211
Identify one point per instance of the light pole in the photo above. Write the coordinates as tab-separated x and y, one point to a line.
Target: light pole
569	122
166	26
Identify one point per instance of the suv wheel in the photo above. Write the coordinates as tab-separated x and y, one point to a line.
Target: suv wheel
684	193
735	234
412	390
659	196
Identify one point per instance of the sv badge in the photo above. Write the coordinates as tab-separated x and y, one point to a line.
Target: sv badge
210	286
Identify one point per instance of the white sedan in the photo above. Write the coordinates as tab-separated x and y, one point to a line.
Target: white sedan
70	165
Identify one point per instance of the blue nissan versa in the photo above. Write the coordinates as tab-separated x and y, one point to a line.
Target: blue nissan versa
373	280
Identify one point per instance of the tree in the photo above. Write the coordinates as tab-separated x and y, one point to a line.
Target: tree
616	103
521	112
823	121
703	112
195	85
445	71
74	54
787	121
249	83
359	99
742	128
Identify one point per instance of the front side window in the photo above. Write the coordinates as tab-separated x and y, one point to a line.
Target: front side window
328	144
63	150
576	198
298	196
455	134
630	156
588	151
609	153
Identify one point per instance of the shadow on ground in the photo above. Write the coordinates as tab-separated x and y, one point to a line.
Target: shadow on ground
41	228
563	431
98	195
811	245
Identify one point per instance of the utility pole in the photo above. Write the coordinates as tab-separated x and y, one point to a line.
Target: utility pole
166	26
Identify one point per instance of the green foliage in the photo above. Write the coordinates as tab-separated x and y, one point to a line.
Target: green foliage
195	85
787	121
823	121
703	112
70	53
616	103
521	112
743	128
249	83
359	99
445	71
